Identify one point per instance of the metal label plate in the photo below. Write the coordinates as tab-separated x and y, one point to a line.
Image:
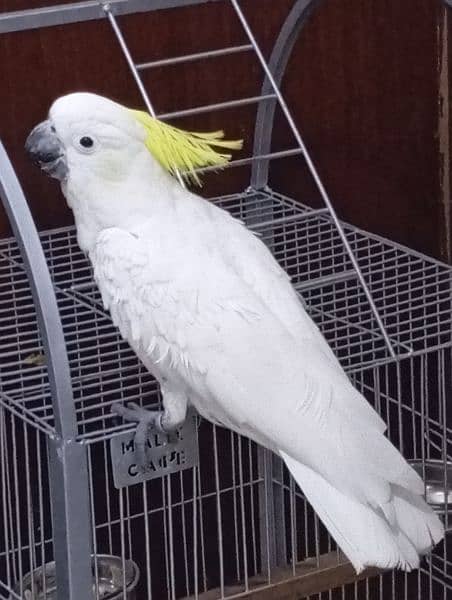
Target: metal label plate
166	453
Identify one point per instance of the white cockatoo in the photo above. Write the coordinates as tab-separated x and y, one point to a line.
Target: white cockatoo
215	319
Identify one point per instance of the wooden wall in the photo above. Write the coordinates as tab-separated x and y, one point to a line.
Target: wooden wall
368	85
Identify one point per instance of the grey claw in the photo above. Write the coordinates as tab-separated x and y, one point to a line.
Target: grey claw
116	408
134	406
144	419
140	443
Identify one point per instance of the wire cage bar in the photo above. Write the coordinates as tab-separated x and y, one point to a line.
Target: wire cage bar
234	525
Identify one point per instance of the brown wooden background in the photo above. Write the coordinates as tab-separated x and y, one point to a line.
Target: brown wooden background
368	84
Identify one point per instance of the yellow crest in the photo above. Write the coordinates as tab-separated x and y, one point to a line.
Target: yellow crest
184	151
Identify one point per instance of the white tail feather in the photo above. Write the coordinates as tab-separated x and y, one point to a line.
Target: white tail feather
363	533
417	520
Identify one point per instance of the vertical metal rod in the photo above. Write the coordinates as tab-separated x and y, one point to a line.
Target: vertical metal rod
9	488
93	522
171	538
443	401
201	529
30	515
242	515
129	522
17	505
399	405
267	523
306	530
123	542
147	541
219	520
107	499
423	416
6	520
15	548
253	519
234	507
42	530
314	174
293	526
165	535
427	437
413	408
195	534
317	539
264	523
419	583
184	532
70	518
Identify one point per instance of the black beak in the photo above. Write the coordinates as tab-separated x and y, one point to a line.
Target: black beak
47	151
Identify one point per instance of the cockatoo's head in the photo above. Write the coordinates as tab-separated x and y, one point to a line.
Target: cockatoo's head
85	134
88	135
115	164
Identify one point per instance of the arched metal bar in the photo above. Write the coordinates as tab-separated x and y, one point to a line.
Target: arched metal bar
67	459
281	53
44	298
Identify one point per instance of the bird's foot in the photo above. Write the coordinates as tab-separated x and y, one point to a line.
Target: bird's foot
145	419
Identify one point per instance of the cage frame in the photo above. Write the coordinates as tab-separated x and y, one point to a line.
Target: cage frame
67	456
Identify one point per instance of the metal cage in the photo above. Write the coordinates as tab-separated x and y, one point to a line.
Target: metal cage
234	525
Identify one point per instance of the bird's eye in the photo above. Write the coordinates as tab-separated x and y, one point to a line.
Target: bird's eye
86	141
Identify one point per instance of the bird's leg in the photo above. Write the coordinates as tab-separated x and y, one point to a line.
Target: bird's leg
144	419
166	421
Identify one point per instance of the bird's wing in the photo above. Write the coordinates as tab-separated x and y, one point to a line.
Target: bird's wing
209	329
255	265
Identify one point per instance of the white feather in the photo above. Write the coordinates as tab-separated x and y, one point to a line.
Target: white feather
363	534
